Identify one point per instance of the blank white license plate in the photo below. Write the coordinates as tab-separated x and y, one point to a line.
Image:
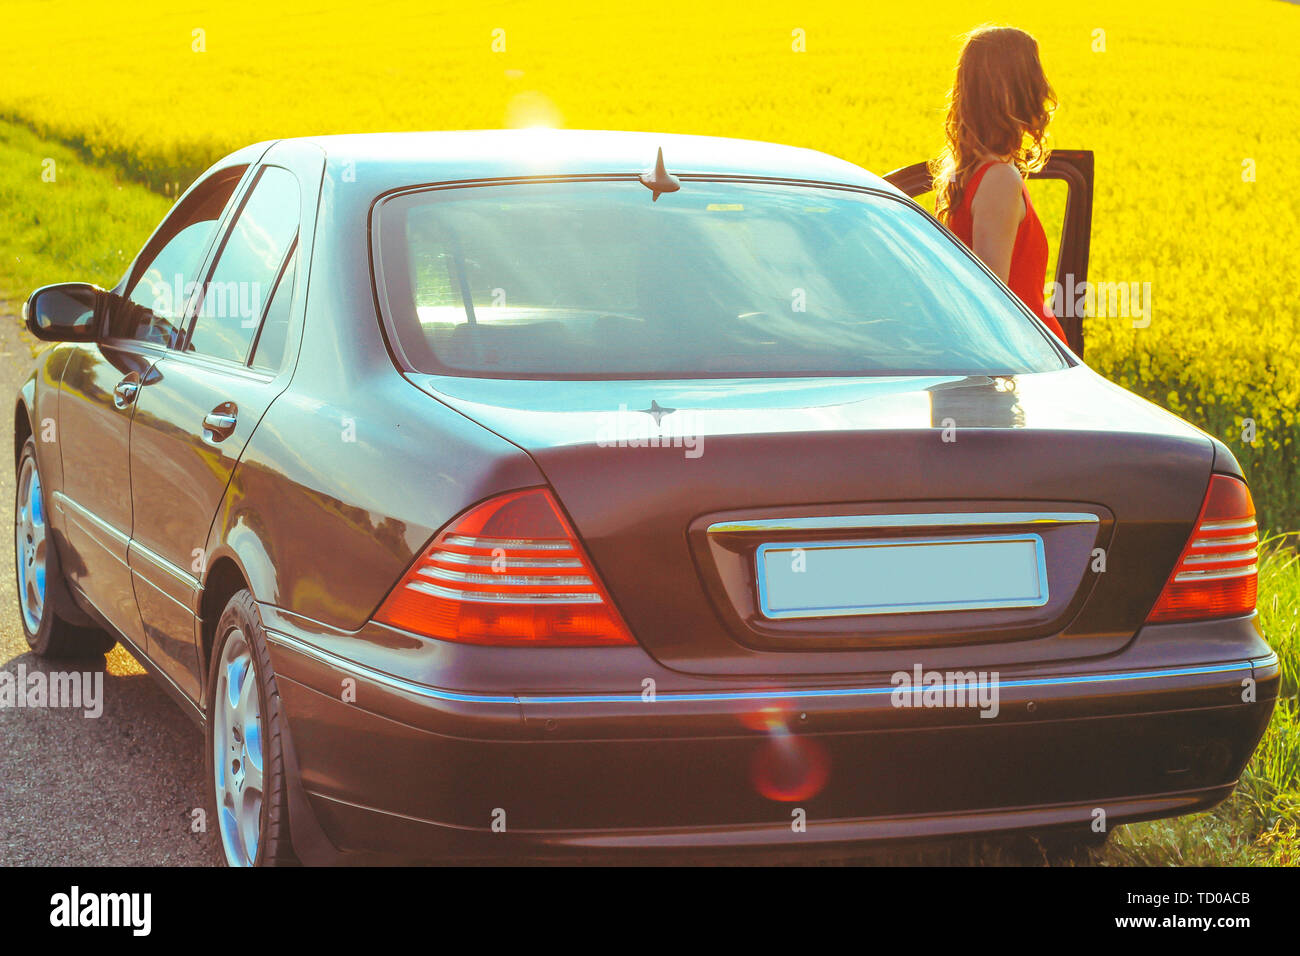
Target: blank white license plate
901	576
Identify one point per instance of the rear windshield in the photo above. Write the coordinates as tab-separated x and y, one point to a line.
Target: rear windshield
592	279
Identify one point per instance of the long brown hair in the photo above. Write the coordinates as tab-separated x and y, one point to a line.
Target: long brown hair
999	105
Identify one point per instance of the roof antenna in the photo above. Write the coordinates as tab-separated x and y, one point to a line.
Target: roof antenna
659	180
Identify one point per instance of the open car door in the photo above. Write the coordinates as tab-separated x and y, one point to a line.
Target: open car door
1074	167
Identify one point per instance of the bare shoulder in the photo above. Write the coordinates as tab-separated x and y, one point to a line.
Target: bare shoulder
1000	188
1001	179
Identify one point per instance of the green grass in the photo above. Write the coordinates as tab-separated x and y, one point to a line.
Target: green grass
85	224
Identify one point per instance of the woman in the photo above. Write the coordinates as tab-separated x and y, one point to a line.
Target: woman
998	110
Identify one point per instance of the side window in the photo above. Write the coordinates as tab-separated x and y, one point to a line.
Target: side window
243	279
155	301
268	350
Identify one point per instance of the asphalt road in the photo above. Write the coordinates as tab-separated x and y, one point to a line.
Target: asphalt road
114	790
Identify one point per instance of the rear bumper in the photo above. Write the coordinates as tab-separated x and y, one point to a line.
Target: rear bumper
405	768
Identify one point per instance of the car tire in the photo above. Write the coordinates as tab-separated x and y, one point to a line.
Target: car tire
38	573
249	803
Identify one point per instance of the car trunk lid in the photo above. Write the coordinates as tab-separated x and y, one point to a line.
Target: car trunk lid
693	497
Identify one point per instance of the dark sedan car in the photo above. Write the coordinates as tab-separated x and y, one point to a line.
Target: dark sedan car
538	493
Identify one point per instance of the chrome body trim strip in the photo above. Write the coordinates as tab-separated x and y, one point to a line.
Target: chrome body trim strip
1211	575
487	576
494	597
930	520
520	544
1237	524
435	693
476	560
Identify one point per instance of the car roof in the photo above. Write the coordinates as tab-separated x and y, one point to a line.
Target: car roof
391	160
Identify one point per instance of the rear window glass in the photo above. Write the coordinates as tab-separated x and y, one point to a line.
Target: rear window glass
717	279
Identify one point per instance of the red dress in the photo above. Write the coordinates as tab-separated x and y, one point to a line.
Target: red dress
1028	255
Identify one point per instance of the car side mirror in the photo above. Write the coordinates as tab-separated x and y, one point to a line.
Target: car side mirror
66	312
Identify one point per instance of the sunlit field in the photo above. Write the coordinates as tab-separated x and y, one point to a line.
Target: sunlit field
1191	108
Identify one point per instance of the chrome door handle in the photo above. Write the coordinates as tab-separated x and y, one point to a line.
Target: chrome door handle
219	424
124	392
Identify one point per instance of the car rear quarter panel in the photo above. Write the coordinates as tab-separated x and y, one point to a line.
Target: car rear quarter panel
352	469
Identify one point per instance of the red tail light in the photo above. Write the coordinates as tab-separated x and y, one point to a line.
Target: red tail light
1218	572
508	571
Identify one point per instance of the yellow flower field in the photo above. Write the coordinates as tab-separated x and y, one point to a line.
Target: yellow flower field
1190	106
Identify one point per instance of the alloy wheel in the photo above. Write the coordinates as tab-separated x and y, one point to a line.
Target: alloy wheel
237	758
30	543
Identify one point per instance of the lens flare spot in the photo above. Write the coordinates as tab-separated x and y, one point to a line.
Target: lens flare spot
789	768
532	109
776	714
772	719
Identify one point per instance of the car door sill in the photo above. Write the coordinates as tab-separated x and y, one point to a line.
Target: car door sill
192	708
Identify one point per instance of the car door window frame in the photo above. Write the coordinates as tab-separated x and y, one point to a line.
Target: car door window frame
231	218
306	163
164	234
285	264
